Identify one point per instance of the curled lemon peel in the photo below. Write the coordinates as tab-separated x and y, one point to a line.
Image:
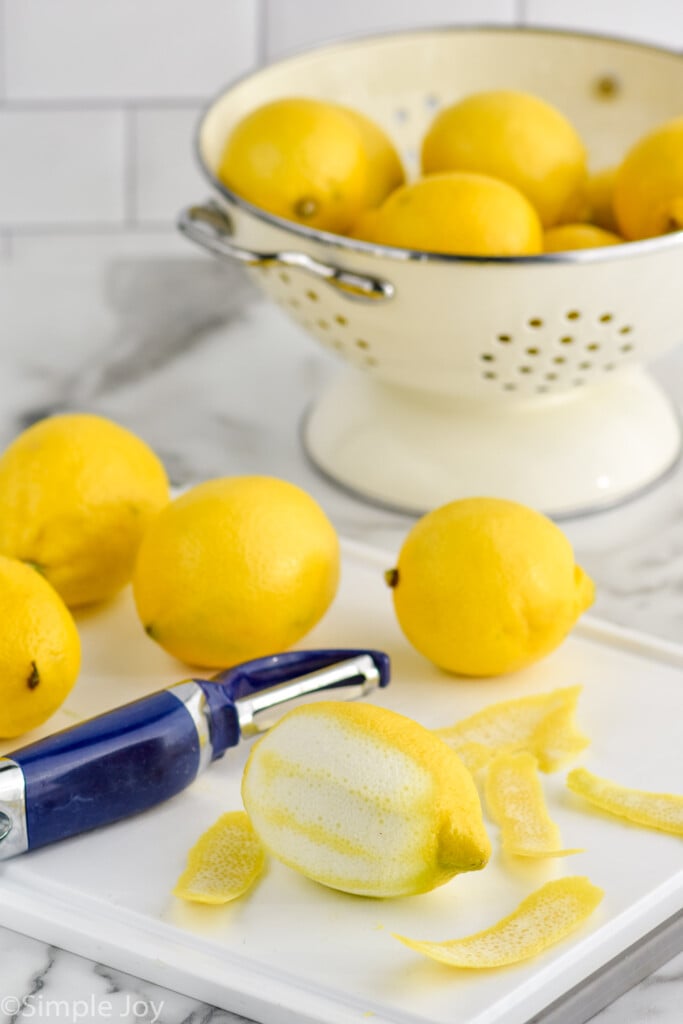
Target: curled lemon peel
663	811
224	863
542	919
543	724
515	801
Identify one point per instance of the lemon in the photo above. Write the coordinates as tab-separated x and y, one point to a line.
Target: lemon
40	651
514	136
599	199
485	586
364	800
566	237
386	171
458	213
301	159
236	568
648	191
77	493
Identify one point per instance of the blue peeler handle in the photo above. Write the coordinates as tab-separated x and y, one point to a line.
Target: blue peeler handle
130	759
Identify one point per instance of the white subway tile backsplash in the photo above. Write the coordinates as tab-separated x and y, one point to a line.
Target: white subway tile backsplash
126	49
61	167
166	175
298	23
657	21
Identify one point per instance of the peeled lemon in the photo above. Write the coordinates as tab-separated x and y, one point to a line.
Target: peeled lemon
485	586
648	189
40	651
516	137
459	213
364	800
77	492
236	568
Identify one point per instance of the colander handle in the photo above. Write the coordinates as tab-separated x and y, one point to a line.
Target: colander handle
210	227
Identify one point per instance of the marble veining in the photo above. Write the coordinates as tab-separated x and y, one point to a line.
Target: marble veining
184	351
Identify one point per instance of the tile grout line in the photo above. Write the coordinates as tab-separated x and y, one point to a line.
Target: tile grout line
3	54
262	12
130	154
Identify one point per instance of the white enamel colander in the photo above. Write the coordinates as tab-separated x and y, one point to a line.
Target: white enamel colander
516	377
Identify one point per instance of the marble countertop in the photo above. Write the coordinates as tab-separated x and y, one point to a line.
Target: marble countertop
184	351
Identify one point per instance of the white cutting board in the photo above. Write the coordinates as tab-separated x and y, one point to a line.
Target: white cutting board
292	951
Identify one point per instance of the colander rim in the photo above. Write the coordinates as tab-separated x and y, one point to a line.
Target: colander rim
624	250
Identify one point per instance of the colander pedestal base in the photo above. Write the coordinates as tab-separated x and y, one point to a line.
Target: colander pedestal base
566	455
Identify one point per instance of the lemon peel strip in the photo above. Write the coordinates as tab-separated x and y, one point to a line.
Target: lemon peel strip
542	919
542	724
515	801
663	811
224	863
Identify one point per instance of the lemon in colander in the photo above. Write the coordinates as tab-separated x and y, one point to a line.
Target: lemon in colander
648	190
514	136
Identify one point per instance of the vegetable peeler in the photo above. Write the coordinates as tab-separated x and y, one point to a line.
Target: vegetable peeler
138	755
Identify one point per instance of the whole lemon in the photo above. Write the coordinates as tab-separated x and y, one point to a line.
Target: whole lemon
77	493
40	651
236	568
648	189
485	586
385	170
514	136
599	198
301	159
364	800
566	237
458	213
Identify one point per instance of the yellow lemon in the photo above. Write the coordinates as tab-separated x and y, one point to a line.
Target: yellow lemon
648	191
40	652
516	137
364	800
599	199
386	171
236	568
458	213
566	237
301	159
485	586
77	493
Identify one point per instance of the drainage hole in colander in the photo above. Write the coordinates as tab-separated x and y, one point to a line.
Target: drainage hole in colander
551	376
535	322
533	351
339	345
593	347
606	318
509	387
341	320
573	314
313	296
370	361
284	277
585	366
504	339
610	366
323	325
567	339
294	303
490	375
488	358
402	115
432	101
559	360
626	329
362	344
526	369
626	348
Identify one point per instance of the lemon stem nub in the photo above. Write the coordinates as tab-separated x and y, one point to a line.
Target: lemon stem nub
34	677
391	577
306	208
